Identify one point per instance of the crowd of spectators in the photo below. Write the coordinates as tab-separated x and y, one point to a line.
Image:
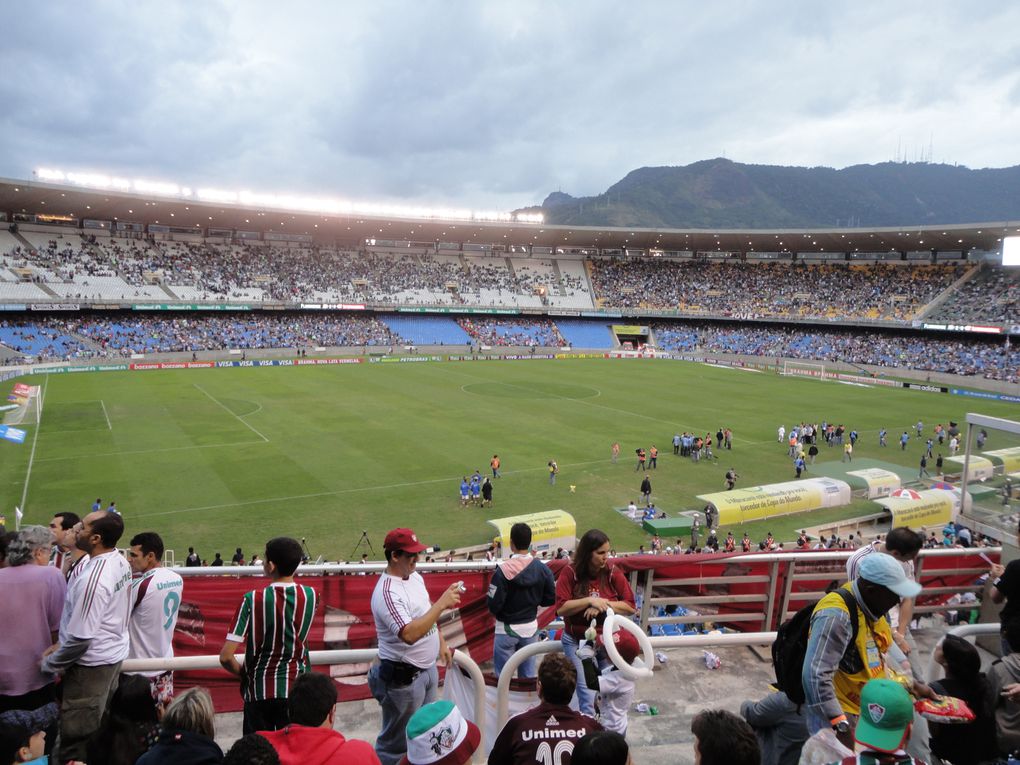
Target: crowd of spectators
211	269
758	290
153	334
214	270
88	337
993	295
992	359
72	580
517	332
42	339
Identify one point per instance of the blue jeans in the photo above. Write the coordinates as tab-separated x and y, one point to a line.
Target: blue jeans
398	703
585	695
504	646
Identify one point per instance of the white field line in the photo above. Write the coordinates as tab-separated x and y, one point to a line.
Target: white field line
106	415
227	409
35	440
90	455
338	492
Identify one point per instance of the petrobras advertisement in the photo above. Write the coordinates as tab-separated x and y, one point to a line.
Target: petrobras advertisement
984	394
761	502
403	359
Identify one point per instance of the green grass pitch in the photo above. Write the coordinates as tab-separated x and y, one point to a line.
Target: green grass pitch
221	458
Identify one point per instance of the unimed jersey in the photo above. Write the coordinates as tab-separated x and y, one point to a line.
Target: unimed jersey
544	734
97	609
155	602
273	624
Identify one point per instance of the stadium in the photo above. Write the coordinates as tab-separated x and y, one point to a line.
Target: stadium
97	279
218	377
323	441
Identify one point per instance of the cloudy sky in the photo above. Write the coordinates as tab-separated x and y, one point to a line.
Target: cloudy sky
495	104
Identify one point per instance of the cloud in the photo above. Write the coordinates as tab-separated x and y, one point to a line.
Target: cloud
496	104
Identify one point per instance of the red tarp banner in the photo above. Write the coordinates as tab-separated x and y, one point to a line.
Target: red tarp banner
343	619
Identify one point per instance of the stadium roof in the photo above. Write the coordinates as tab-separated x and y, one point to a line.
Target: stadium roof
49	199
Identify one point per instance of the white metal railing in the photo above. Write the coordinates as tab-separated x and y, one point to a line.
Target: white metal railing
963	630
319	658
482	565
672	641
774	602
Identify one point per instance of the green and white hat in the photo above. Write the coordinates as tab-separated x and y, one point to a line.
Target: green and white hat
438	734
886	715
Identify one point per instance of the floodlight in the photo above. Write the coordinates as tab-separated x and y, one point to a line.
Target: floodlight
1011	251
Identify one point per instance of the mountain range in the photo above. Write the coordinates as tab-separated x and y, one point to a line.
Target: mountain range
718	193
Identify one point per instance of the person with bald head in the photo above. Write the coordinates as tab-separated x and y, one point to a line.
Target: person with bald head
93	638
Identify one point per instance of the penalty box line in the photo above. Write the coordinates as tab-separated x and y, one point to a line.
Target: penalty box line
231	412
339	492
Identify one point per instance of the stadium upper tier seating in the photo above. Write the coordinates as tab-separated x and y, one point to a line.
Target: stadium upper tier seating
993	295
66	265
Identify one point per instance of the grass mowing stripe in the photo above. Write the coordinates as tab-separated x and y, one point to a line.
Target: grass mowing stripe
347	491
589	403
400	427
92	455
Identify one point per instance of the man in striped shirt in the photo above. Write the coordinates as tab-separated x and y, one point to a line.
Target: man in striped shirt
155	603
93	633
273	624
63	541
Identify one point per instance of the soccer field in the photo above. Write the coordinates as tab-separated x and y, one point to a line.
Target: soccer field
221	458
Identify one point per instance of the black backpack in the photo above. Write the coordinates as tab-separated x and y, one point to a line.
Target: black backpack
791	646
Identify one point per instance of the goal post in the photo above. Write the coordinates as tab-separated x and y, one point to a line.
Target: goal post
814	369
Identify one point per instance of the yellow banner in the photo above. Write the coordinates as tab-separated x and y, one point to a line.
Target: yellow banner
760	502
936	507
881	483
980	468
1010	458
629	329
549	530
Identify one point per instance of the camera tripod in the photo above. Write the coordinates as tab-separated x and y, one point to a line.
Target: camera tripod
364	540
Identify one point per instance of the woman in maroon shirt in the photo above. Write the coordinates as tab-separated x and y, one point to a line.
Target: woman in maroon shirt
584	591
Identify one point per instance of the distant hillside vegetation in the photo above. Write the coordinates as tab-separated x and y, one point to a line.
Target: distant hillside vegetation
717	193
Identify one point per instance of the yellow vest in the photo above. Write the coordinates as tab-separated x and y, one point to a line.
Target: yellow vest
872	642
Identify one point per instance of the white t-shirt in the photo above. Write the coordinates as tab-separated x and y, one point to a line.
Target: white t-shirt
97	608
155	603
396	603
75	569
616	693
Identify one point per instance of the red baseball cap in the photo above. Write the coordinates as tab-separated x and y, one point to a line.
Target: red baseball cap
404	540
626	644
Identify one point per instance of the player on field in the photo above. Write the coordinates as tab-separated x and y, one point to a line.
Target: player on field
273	625
155	603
